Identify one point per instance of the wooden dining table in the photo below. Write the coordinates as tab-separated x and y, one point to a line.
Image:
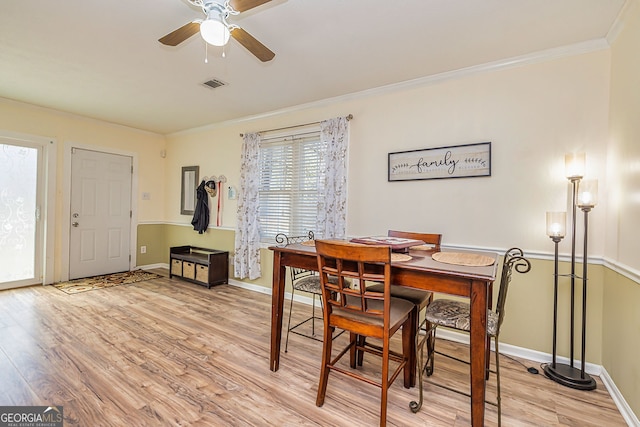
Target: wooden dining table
421	272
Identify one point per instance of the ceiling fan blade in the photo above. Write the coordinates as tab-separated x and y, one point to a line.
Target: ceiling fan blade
242	5
252	45
176	37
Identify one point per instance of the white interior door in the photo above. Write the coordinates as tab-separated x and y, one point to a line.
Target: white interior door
20	220
100	228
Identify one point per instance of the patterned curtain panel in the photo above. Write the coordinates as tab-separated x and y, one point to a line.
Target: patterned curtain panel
247	246
332	209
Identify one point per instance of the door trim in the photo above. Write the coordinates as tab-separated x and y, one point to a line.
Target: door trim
48	211
66	202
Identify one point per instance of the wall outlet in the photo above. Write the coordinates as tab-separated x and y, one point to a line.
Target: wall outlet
143	249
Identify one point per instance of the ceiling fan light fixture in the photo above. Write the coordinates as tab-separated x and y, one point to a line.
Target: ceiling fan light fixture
214	31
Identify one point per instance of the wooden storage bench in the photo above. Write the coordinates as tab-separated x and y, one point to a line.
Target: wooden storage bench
199	265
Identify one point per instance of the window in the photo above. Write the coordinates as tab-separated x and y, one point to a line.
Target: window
291	183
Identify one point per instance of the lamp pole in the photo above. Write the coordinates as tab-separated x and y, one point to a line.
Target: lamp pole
583	375
574	192
587	199
556	224
556	240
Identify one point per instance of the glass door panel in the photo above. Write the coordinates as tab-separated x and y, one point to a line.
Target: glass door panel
19	215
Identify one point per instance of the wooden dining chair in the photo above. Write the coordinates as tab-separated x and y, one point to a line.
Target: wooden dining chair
457	315
361	312
420	299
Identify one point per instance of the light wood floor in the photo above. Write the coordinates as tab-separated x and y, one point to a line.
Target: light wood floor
170	353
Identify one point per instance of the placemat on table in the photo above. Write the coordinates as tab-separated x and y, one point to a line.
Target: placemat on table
461	258
309	243
400	257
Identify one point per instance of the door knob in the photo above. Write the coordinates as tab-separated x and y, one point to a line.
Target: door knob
75	224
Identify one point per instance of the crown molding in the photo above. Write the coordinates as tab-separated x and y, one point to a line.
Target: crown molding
501	64
618	23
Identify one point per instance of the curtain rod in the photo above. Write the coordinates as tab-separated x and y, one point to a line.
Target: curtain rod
349	117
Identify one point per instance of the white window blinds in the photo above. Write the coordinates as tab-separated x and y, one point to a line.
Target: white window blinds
291	183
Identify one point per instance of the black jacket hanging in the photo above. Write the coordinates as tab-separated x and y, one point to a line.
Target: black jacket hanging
200	219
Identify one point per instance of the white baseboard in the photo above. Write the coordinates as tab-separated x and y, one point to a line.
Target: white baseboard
521	352
618	399
250	286
152	266
257	288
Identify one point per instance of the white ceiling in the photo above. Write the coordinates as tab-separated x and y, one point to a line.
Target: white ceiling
101	58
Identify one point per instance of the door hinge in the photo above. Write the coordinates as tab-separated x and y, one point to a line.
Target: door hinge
131	169
130	214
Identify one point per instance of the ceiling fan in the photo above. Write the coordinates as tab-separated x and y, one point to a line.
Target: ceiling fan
215	29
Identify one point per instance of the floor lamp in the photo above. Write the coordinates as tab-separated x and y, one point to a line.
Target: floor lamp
583	195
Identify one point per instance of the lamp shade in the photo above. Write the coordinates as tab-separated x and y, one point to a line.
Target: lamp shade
574	165
214	31
587	193
556	224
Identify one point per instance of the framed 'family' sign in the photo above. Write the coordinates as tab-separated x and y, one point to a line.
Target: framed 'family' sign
458	161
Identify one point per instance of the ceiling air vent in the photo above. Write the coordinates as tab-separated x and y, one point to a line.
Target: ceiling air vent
214	83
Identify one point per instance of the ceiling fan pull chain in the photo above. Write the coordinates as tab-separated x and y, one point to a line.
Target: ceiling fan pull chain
206	53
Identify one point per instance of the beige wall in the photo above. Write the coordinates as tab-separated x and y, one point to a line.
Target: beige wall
621	316
532	114
216	153
623	147
620	331
69	130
